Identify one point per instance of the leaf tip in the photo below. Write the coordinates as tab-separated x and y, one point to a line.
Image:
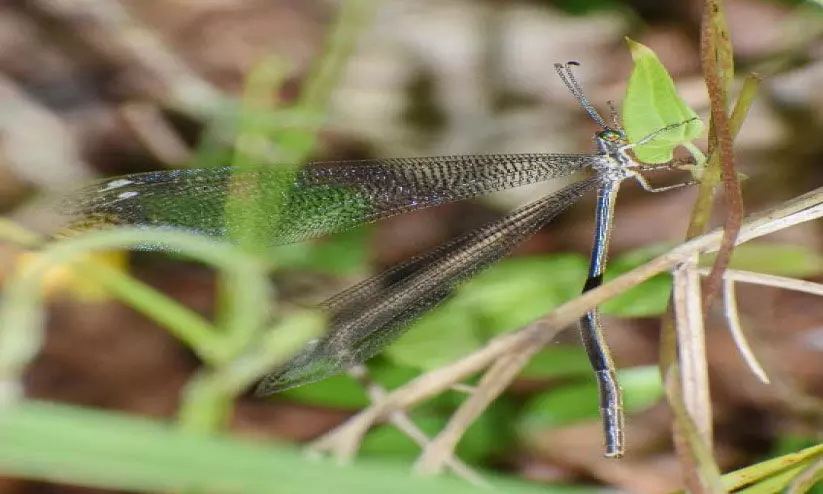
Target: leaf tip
638	50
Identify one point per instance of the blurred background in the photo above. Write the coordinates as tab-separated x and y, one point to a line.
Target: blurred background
102	88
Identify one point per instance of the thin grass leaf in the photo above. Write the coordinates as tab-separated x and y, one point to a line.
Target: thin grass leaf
59	443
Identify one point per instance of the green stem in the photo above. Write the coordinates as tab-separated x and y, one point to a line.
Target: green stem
21	307
696	152
207	401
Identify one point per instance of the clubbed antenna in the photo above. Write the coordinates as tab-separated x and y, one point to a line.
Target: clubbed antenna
567	76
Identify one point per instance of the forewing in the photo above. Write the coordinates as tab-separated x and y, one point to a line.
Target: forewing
313	200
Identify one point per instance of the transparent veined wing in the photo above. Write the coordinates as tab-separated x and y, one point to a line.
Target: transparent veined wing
312	200
371	315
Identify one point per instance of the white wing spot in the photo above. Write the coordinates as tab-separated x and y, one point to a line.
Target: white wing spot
116	183
127	195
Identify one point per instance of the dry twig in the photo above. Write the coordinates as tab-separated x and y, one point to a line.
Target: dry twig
404	423
691	345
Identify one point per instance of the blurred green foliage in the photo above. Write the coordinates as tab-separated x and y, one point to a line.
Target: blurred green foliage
61	443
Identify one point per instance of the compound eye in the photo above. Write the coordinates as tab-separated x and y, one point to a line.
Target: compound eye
611	135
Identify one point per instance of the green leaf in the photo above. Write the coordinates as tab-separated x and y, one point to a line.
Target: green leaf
642	387
558	361
516	291
71	445
437	338
651	103
644	300
562	405
340	392
476	444
345	393
387	440
772	475
647	299
576	402
778	259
